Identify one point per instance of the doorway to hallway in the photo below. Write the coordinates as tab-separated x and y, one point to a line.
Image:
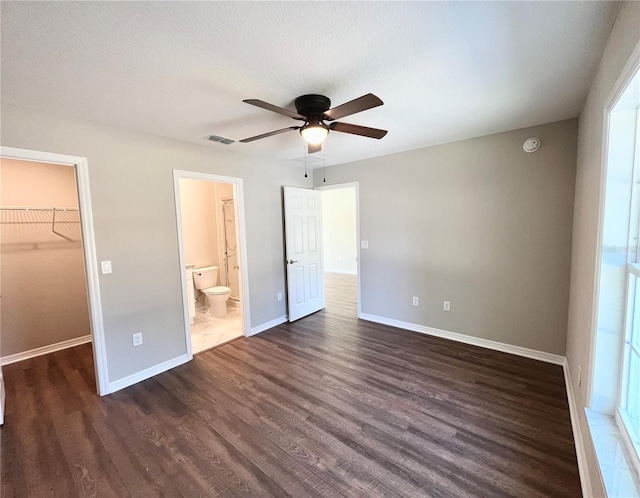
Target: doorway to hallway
340	244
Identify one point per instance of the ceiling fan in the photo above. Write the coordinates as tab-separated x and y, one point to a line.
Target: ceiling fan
314	110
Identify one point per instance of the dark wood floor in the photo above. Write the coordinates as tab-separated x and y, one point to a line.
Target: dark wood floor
326	406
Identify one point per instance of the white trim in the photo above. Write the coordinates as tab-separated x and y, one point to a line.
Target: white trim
581	455
2	399
148	373
626	437
268	325
358	267
89	245
634	268
468	339
50	348
183	282
238	194
326	270
625	77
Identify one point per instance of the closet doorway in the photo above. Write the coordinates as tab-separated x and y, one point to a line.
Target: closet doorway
48	278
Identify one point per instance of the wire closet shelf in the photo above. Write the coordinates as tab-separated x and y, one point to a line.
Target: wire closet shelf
47	215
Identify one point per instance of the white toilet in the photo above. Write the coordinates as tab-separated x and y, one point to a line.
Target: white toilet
205	280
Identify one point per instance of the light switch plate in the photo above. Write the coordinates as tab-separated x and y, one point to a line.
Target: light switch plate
106	267
364	244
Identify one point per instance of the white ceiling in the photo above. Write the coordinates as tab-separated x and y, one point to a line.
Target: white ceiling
445	70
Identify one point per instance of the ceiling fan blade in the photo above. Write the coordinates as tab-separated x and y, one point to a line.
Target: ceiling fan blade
360	104
313	148
364	131
274	108
270	134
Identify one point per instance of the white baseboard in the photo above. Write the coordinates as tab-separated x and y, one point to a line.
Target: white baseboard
468	339
341	272
583	468
148	373
267	325
32	353
2	398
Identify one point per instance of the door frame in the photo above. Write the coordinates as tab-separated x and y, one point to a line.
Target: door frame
337	186
238	194
96	321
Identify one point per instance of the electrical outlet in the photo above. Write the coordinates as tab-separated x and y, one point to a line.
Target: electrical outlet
137	339
364	244
416	301
105	266
279	296
446	306
579	376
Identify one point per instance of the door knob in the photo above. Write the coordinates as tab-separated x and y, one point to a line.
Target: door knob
291	261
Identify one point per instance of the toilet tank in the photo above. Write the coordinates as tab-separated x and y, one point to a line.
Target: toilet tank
206	277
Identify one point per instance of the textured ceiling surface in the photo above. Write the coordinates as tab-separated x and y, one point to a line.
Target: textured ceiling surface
445	70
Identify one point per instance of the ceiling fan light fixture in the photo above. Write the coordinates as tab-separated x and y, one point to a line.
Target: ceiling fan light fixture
314	133
313	110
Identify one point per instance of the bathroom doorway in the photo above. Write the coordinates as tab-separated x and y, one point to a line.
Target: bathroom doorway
212	259
340	235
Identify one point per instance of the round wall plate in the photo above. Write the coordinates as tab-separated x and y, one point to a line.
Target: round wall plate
531	144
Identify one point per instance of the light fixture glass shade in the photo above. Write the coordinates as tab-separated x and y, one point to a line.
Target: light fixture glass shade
314	134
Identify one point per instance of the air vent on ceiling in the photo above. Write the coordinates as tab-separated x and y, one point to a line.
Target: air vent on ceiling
219	139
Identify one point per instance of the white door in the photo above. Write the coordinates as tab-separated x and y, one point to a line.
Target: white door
2	395
303	234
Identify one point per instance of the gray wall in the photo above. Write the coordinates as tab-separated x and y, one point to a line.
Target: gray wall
480	223
589	174
135	226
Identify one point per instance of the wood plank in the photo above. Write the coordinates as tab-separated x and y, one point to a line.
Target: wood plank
327	406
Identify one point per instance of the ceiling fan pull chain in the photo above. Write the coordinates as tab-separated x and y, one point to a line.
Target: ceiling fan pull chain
305	162
324	165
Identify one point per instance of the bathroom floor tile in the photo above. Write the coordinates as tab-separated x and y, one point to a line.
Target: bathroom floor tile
208	332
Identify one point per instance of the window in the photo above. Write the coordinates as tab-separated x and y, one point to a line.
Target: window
613	384
624	156
629	407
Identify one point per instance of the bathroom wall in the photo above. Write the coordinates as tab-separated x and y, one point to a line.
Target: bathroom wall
199	226
44	297
339	230
225	191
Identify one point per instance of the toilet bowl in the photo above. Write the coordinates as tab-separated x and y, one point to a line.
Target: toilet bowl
217	300
205	280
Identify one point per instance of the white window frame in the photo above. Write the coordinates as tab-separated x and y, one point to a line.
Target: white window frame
628	432
630	435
